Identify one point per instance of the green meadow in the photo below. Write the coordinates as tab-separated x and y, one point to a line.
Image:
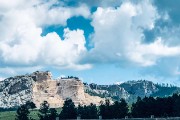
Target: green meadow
11	115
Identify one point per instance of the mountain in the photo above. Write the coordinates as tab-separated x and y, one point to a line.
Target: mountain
40	86
130	90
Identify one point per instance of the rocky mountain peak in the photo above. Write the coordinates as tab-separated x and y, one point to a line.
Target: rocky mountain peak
40	76
39	86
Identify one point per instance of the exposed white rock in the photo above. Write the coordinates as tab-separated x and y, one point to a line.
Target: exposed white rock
15	91
39	87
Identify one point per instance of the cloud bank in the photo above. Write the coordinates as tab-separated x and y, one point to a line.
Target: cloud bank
21	43
140	34
119	35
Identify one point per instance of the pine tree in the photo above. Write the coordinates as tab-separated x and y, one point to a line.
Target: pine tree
176	105
123	108
44	111
30	105
106	110
115	109
22	113
80	111
120	109
68	110
102	108
93	111
53	114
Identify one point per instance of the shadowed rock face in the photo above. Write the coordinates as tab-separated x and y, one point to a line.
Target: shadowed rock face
15	91
18	87
39	86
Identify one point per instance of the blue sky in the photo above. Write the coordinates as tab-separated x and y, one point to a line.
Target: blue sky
97	40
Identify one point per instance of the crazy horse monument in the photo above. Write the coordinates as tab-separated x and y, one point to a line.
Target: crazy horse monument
39	86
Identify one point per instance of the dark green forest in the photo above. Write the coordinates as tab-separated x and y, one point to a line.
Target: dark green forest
142	108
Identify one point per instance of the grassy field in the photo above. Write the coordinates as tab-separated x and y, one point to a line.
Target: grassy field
10	115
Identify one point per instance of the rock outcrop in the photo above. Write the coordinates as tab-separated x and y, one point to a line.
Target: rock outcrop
140	88
130	90
39	86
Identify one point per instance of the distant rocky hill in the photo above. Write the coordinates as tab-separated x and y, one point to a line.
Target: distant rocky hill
130	90
39	86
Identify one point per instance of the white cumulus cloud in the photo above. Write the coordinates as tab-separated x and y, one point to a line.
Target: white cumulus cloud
21	43
119	34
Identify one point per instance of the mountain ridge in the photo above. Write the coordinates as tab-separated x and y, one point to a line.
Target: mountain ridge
130	90
39	86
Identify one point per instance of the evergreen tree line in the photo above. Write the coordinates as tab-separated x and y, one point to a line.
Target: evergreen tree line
69	111
159	107
7	109
143	108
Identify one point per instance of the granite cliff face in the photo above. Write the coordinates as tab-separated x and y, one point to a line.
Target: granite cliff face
39	86
15	91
